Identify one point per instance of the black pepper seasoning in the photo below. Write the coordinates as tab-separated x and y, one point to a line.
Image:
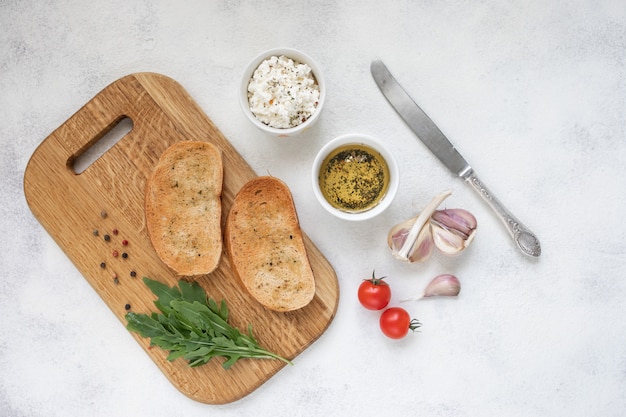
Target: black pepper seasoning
124	255
103	265
133	274
107	238
127	307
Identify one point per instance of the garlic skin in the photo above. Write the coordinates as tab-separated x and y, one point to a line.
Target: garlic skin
398	235
445	285
423	246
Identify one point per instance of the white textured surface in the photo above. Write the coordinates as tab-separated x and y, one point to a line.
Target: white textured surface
532	92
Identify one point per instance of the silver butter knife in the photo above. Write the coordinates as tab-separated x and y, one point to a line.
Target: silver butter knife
429	133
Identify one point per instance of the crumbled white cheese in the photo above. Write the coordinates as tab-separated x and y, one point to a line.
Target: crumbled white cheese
283	93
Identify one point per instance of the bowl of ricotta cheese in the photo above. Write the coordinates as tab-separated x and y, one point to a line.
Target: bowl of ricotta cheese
282	92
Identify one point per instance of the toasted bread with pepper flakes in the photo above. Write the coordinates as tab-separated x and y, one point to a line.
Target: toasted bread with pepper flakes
266	246
183	207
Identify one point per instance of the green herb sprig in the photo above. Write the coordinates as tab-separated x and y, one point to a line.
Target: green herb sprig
193	326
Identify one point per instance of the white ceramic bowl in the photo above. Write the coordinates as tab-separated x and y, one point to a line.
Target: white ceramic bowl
356	139
247	75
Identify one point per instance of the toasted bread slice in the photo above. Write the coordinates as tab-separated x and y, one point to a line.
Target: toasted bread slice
266	246
183	207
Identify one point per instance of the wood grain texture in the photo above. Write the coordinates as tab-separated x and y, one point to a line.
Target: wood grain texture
69	206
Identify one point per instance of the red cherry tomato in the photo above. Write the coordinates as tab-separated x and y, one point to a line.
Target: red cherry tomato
374	293
395	323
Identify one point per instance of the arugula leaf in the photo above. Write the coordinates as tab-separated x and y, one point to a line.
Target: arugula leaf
194	327
192	292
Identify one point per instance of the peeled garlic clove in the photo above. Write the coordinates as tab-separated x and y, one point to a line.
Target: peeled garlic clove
443	285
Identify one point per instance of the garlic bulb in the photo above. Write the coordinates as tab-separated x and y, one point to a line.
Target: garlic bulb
450	231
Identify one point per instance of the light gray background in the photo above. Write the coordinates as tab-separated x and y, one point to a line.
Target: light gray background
532	92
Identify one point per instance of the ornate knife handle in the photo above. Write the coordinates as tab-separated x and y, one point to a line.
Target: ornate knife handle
526	240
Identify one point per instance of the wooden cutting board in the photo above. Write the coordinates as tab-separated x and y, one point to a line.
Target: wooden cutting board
70	206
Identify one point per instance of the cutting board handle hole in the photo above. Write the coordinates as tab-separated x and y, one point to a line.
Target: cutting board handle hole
110	136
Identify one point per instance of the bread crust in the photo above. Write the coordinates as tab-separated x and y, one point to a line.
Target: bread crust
183	207
266	246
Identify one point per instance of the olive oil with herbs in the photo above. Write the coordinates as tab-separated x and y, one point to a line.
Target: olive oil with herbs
354	178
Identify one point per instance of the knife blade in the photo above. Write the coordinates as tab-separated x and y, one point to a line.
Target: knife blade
442	148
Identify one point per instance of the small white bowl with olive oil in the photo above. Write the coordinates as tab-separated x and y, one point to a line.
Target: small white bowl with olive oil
355	177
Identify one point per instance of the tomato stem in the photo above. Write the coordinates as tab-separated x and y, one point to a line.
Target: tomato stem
414	325
374	280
